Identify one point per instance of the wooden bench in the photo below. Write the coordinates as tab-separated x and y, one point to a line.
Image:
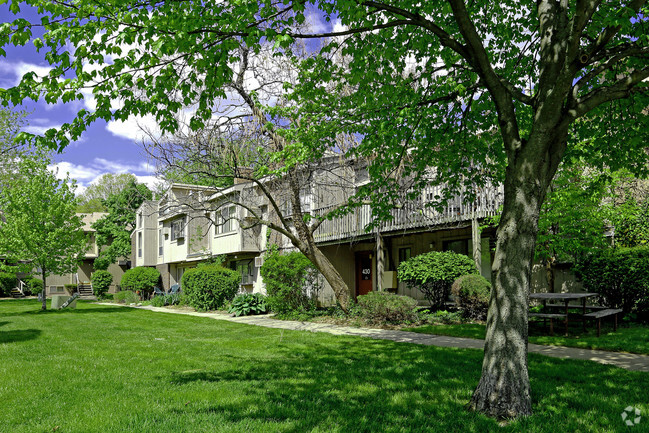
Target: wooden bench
598	315
576	306
550	316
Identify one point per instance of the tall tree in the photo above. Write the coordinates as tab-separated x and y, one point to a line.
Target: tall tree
431	80
299	190
113	231
39	224
10	124
108	184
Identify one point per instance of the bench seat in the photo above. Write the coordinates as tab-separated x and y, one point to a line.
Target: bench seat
598	315
550	316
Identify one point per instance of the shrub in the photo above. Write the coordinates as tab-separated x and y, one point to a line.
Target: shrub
71	289
162	301
472	296
445	317
291	281
247	304
35	285
8	282
142	279
433	274
158	301
382	307
101	281
126	297
621	277
209	287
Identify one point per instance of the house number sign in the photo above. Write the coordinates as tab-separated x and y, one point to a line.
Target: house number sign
366	273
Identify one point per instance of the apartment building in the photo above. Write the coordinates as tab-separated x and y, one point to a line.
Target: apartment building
191	224
82	276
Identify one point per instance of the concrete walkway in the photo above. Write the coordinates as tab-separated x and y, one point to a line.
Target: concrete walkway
628	361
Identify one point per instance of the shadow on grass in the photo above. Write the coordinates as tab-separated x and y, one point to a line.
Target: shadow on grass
391	387
98	310
19	335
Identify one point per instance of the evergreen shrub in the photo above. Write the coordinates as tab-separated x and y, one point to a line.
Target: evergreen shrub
210	287
472	296
433	274
291	282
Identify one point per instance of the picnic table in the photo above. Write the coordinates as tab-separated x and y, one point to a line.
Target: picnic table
565	298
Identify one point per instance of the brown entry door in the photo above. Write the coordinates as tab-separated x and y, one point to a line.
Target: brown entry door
363	273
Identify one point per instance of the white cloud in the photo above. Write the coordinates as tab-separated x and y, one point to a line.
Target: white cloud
316	24
134	128
118	167
39	130
82	174
18	69
85	175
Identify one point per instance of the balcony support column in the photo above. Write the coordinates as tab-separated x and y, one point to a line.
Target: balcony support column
380	261
477	245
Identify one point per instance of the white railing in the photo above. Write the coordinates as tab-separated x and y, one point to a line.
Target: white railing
413	214
21	287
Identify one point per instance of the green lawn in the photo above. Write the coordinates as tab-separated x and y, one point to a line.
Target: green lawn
631	338
112	369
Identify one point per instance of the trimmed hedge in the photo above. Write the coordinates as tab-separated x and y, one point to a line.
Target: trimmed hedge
142	279
433	274
210	287
472	296
382	307
621	277
7	283
35	285
101	281
291	282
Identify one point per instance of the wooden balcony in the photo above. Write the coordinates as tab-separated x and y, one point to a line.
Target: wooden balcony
412	216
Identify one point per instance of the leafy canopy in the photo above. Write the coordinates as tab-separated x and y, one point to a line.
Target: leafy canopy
39	221
113	231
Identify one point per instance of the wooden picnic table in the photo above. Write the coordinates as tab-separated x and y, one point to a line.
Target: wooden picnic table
565	298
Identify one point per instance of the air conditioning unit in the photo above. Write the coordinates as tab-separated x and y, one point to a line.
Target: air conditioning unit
259	261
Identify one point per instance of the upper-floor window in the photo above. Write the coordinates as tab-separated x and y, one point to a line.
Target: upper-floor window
178	229
160	241
139	244
225	220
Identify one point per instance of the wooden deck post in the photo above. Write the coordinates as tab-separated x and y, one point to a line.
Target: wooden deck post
477	245
380	261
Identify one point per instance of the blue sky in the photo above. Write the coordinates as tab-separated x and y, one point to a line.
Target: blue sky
105	147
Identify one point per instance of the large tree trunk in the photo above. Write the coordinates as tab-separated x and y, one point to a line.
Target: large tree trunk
504	388
333	277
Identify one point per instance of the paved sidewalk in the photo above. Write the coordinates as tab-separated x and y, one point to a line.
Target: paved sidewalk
628	361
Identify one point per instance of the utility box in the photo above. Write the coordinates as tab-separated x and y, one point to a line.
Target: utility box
389	280
59	300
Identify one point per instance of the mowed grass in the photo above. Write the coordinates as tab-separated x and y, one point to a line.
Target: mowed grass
113	369
633	338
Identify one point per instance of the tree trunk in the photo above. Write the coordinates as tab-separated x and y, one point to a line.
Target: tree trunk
549	274
44	292
504	388
333	277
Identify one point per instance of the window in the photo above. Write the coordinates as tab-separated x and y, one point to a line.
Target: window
404	254
246	269
178	229
460	246
225	220
139	244
160	242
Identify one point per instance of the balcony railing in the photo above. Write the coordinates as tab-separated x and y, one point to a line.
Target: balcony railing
413	215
